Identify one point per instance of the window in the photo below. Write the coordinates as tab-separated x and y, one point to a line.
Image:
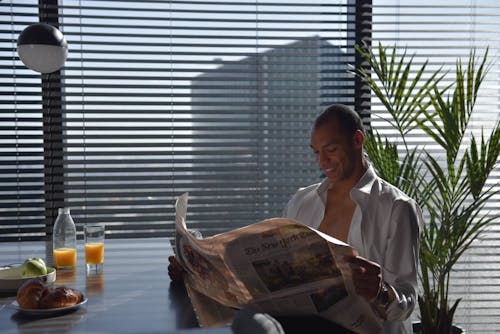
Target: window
158	98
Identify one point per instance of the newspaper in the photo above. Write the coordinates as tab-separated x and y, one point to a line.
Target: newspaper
278	266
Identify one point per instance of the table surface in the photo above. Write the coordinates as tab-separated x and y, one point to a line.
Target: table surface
133	294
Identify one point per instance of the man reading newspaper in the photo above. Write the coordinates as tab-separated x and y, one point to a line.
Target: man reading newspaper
352	205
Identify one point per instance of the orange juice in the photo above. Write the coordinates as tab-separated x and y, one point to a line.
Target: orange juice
94	253
64	257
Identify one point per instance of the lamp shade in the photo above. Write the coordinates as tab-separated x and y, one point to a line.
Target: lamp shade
42	48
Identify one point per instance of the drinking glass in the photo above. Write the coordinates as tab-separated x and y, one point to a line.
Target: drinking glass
94	247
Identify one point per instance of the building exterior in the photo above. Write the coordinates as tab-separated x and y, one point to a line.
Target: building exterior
262	107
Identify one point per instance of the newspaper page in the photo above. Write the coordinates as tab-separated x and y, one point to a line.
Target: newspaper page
278	266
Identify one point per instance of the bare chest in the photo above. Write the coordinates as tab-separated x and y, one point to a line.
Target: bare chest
337	217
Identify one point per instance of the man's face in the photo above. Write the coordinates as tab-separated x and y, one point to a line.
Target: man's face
336	152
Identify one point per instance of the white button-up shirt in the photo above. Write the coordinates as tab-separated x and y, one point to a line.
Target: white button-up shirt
385	228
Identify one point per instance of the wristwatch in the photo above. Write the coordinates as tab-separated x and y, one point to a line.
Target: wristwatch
383	298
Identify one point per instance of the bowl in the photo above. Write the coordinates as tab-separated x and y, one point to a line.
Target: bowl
11	279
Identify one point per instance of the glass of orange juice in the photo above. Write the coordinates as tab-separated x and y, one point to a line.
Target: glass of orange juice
94	247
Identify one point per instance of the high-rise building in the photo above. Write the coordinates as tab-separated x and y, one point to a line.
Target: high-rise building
261	107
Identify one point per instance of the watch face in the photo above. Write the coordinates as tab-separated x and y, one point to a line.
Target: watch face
383	297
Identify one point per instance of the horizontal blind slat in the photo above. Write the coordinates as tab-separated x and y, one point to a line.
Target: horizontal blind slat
182	96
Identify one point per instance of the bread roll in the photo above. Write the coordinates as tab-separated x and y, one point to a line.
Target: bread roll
60	297
36	294
30	293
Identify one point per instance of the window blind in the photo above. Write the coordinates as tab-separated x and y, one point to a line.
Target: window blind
443	32
158	98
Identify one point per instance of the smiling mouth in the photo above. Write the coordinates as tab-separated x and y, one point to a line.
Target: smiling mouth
329	172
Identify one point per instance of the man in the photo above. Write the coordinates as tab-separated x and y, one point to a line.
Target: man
354	205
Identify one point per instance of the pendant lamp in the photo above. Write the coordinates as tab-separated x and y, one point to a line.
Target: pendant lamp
42	48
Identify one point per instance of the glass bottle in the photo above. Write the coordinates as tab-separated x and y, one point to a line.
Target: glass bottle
64	240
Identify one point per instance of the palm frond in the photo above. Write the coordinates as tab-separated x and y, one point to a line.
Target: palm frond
397	91
481	160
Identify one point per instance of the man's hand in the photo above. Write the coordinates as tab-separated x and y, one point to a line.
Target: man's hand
366	277
175	270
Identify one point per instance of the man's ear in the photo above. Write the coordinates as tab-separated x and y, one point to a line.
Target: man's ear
358	138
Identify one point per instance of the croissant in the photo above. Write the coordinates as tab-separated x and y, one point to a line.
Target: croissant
35	294
30	292
60	297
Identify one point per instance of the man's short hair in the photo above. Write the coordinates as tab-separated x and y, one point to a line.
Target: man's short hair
346	118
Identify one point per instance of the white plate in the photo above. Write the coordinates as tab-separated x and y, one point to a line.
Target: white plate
11	278
47	311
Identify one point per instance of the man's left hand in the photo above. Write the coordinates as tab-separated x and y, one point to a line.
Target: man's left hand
366	277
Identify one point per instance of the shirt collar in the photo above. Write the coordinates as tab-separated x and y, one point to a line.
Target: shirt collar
363	188
323	186
359	192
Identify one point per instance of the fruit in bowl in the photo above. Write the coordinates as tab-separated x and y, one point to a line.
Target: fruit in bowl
11	278
33	267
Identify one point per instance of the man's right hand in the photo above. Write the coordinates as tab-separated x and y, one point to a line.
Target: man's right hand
175	270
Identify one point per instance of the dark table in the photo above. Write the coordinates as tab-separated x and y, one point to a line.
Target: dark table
133	294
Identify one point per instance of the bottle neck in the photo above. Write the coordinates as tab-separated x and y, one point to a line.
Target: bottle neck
63	211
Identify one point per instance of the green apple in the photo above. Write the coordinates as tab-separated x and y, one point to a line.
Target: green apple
33	267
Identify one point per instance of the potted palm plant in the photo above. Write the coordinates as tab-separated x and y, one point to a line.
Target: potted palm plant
449	184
